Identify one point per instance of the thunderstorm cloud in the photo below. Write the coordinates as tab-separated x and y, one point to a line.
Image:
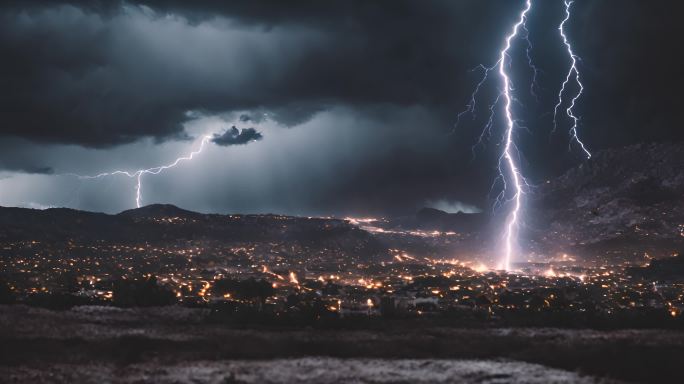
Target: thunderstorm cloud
235	136
358	99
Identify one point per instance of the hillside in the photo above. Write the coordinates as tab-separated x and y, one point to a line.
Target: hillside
627	200
167	223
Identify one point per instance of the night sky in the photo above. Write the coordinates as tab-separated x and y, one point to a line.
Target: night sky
314	107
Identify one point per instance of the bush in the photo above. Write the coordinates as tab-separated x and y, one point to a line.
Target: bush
249	289
57	300
141	293
6	294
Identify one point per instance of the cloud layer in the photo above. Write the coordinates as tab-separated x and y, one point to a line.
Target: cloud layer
234	136
90	86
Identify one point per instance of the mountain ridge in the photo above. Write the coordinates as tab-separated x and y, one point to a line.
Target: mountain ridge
629	199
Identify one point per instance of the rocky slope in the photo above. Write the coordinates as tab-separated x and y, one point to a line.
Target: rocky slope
621	201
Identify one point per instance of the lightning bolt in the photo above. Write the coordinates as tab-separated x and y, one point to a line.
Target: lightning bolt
528	53
149	171
514	171
510	179
509	171
573	75
486	132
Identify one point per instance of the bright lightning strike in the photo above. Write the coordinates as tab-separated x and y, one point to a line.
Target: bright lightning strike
573	74
512	181
151	171
509	172
535	70
514	171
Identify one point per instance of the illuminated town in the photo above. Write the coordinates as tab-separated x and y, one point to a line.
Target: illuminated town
337	278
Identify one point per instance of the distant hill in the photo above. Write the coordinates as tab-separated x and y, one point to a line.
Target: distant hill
628	200
159	211
59	224
168	223
667	269
431	219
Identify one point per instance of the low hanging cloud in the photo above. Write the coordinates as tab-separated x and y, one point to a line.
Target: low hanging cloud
452	206
19	165
235	136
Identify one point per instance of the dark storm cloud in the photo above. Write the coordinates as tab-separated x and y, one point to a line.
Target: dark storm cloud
234	136
38	169
30	169
98	74
101	74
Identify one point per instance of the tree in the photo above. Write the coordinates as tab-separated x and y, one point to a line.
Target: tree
249	289
6	294
141	293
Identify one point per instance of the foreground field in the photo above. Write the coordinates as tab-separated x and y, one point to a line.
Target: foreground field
308	370
104	344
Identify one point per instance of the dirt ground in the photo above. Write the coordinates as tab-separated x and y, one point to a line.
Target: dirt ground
174	344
